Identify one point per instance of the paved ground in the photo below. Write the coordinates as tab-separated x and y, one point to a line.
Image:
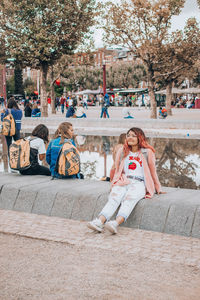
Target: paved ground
51	258
137	113
107	128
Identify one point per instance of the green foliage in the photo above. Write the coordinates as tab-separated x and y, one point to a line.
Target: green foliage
42	31
39	32
29	86
10	85
18	75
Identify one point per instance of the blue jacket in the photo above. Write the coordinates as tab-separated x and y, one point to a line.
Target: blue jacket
35	111
70	112
17	115
52	155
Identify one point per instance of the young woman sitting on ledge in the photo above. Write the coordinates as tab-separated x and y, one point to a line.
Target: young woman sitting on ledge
38	139
135	178
35	111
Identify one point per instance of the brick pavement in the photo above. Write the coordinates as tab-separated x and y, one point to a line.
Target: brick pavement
147	244
62	259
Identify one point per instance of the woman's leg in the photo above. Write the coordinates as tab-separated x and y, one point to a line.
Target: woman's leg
106	111
37	170
114	200
136	191
102	112
134	194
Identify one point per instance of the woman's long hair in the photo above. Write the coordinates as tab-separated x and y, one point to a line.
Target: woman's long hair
122	138
42	132
62	131
12	103
142	141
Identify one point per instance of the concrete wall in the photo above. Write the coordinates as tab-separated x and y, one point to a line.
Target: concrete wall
177	212
115	123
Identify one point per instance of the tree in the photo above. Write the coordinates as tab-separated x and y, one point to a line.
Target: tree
125	75
142	26
18	75
29	86
39	32
178	58
10	86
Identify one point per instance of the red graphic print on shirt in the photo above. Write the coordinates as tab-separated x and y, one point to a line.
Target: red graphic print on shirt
132	165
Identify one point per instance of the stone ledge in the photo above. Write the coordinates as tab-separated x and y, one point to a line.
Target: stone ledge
177	212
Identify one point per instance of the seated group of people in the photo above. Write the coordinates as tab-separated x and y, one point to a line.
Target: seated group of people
76	111
32	111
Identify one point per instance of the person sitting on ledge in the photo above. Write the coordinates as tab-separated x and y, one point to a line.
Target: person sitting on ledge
38	139
126	112
35	111
80	113
162	113
63	134
71	111
135	178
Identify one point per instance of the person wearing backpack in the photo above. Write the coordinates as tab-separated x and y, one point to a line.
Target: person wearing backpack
13	112
135	177
63	137
38	140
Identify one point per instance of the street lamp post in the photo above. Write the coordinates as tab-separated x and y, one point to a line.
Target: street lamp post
104	82
104	77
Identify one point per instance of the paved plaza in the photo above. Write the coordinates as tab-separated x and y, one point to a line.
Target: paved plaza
52	258
138	113
183	123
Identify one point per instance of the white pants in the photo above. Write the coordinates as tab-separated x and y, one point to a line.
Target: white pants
128	196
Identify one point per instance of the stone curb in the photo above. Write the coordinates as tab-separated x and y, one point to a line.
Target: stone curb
177	212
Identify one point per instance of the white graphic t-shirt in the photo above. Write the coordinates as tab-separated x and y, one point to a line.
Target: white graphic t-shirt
133	165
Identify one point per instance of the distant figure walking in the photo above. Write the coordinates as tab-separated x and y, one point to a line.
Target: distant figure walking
12	109
105	103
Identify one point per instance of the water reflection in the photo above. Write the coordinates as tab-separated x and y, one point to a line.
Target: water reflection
178	160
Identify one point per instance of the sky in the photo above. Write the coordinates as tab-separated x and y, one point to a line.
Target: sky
190	10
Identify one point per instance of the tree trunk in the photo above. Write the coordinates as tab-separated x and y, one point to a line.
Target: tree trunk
53	104
169	98
4	153
43	89
152	99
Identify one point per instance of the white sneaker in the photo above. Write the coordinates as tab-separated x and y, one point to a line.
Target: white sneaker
112	226
96	225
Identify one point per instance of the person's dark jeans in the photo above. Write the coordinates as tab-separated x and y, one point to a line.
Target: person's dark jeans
15	137
36	170
62	108
104	109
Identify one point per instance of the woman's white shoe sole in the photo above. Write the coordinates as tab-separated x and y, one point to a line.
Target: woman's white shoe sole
93	227
111	229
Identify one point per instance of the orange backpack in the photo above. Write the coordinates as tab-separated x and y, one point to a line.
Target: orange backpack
68	161
19	154
8	126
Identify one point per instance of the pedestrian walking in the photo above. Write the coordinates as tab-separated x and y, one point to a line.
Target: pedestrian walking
105	103
13	109
135	177
62	103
